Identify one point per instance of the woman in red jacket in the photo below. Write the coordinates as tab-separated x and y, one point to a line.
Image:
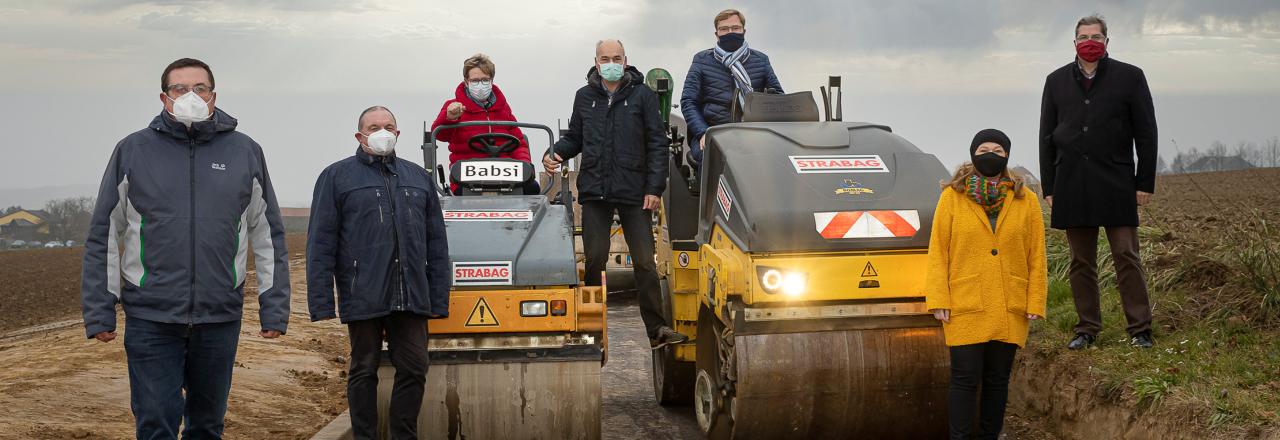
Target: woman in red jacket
478	99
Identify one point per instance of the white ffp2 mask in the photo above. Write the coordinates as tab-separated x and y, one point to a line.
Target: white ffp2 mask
381	142
189	109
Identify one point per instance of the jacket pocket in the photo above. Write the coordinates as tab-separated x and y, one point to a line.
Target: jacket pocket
1015	294
966	295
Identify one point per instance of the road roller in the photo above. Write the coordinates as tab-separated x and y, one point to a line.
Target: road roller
796	255
520	354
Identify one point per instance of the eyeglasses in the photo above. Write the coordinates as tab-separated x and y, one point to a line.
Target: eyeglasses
738	28
480	82
182	89
1095	37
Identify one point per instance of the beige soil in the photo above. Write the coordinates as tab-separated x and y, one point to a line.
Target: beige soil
59	385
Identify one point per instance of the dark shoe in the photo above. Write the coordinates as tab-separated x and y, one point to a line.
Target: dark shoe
1082	340
1142	340
666	336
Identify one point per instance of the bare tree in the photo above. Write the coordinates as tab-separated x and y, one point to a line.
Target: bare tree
1271	152
10	210
1250	152
69	218
1217	149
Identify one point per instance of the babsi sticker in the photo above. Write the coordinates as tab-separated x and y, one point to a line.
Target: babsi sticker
485	171
868	163
482	273
489	216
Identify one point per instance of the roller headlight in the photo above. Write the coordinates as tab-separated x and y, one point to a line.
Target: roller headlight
533	308
790	283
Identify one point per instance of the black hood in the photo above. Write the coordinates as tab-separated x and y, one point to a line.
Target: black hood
201	131
630	76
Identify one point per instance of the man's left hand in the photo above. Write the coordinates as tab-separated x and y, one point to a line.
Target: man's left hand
651	202
270	334
1144	198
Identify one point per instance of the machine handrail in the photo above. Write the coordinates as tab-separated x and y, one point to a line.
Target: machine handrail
429	153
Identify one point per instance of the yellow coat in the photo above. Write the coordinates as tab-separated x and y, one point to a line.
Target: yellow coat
989	281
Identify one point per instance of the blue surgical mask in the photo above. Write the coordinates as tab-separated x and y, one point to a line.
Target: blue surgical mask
611	72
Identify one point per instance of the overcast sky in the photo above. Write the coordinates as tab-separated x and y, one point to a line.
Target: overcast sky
79	75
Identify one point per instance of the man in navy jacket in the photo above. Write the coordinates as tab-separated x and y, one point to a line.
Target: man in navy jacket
377	232
721	75
185	198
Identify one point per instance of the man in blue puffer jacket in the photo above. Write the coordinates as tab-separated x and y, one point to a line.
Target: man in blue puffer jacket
377	233
185	198
720	75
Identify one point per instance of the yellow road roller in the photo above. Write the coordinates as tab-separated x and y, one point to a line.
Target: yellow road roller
520	354
796	255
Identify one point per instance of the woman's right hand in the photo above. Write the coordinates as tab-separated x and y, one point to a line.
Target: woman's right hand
943	315
454	111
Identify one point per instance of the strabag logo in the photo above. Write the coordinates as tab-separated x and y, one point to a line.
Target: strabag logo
488	216
869	163
724	196
488	171
482	273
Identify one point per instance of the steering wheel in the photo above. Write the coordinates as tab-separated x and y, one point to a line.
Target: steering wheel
493	144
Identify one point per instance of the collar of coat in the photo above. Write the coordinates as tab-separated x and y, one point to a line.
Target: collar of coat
202	131
1103	63
630	78
369	159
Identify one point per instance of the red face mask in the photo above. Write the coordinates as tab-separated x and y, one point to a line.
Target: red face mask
1090	50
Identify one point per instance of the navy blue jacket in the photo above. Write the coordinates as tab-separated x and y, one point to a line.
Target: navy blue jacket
377	232
708	91
185	206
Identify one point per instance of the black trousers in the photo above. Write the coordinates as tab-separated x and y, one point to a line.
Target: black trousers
637	229
407	344
988	364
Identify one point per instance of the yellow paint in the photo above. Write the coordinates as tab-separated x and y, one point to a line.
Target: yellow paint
837	276
503	307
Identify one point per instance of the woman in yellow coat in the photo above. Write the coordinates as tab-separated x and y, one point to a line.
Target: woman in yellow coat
986	280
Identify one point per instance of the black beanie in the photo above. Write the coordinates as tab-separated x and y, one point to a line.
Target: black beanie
990	135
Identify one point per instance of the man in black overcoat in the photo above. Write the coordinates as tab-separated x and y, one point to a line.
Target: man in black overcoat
1095	115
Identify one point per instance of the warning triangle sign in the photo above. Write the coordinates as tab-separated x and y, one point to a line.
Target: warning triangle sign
482	316
869	271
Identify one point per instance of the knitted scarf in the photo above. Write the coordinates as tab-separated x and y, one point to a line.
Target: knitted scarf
988	192
733	61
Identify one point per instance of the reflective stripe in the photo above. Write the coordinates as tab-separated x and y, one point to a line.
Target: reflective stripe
133	268
257	230
874	224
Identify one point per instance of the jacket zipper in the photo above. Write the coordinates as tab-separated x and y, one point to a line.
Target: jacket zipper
355	265
191	297
378	193
395	229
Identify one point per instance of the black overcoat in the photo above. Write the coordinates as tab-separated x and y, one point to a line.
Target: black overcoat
1088	141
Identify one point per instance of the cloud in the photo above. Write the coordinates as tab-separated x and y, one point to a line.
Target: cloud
110	6
954	28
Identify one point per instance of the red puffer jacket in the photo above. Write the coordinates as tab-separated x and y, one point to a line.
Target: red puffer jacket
457	137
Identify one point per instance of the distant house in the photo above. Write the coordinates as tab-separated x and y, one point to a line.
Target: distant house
1218	163
295	219
1033	183
25	224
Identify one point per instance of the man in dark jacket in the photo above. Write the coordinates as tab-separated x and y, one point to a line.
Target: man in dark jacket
185	198
1096	112
617	128
377	232
721	75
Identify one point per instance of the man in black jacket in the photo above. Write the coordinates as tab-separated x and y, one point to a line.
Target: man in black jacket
377	232
617	129
1096	112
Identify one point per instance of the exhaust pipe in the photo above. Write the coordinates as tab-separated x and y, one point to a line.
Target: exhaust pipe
837	93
